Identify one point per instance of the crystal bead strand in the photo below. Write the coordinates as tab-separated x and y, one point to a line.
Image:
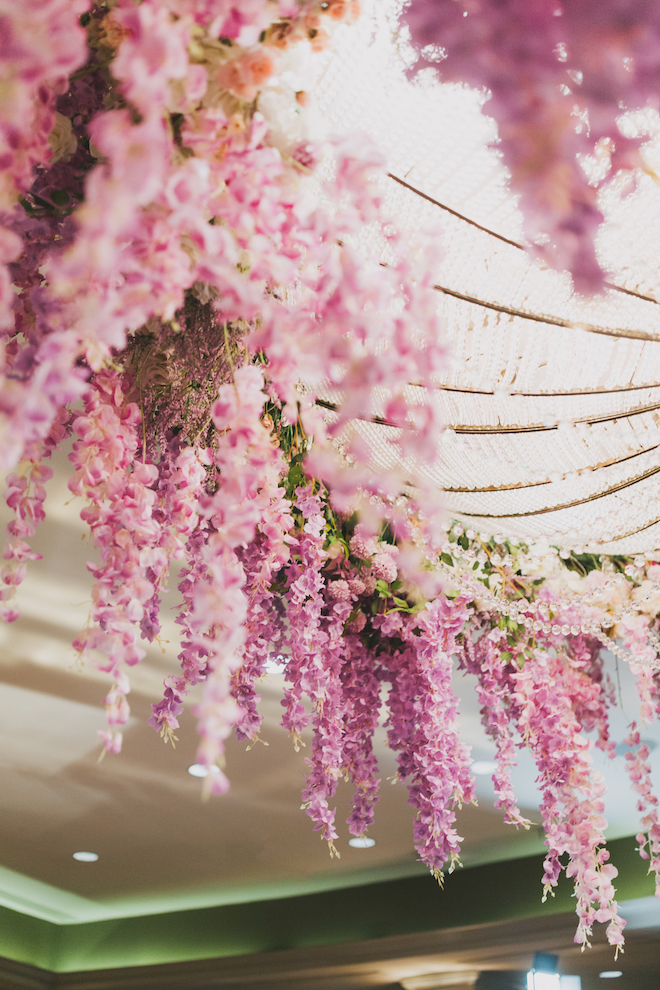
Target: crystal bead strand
588	627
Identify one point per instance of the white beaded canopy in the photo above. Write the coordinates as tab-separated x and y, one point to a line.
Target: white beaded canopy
551	400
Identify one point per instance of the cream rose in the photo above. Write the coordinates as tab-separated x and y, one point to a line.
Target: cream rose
62	140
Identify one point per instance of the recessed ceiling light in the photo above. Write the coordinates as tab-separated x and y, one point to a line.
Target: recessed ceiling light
484	767
440	981
86	857
199	770
361	842
543	981
610	974
275	664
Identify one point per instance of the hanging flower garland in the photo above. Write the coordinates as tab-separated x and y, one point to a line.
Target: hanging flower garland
182	276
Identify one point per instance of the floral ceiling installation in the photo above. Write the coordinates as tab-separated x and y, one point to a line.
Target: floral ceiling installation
186	279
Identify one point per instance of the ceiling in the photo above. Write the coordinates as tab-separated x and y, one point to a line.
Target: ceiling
161	848
492	956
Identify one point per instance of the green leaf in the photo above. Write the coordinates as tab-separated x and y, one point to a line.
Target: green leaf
400	603
446	559
383	587
41	202
506	656
60	196
463	541
296	475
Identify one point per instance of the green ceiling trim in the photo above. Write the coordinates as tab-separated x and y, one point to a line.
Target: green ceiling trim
27	939
41	900
478	895
27	895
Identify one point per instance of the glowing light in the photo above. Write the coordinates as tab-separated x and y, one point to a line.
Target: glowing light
361	842
483	767
199	770
275	665
543	981
86	857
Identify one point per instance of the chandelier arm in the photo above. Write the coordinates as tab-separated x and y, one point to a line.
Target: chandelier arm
536	484
565	505
378	420
631	292
588	420
545	395
634	532
550	320
454	213
501	237
497	430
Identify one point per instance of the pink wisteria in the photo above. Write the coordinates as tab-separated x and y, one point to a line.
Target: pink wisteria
184	294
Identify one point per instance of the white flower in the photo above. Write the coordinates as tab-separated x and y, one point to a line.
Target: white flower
62	140
290	122
652	606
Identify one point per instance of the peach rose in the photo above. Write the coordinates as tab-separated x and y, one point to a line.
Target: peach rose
282	35
246	75
318	37
111	33
343	10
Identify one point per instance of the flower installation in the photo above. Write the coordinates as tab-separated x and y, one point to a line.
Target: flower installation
185	274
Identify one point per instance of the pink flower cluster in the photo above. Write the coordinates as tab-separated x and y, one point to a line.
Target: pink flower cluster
639	772
244	459
142	239
423	729
559	77
572	805
549	701
494	691
25	495
42	44
120	515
